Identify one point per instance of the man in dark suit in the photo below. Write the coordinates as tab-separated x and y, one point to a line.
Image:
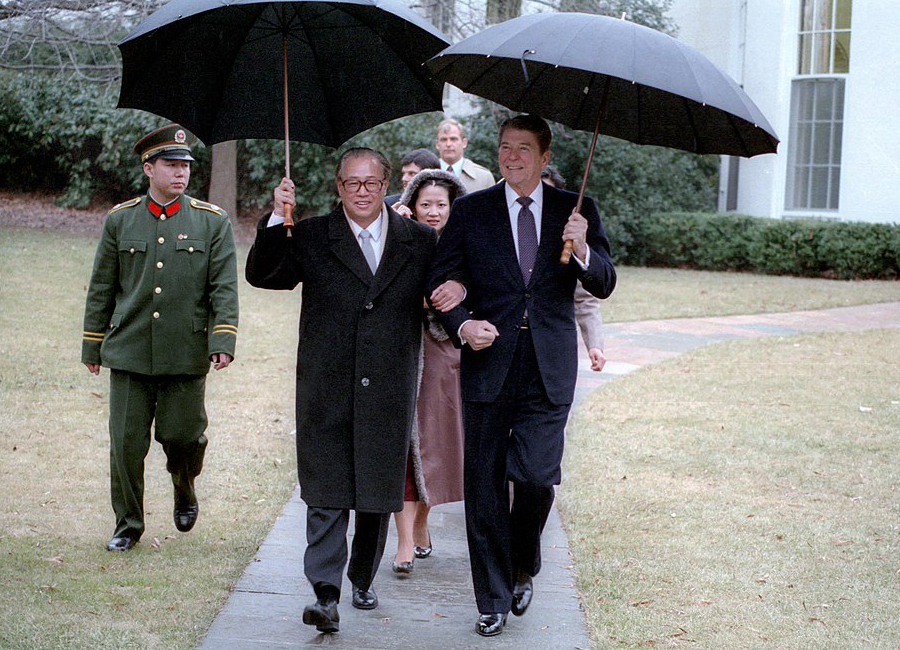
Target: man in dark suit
519	355
363	269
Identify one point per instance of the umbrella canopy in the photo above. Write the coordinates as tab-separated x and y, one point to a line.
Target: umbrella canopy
652	88
218	67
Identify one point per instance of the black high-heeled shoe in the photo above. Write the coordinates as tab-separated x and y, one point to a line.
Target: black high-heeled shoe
421	552
402	567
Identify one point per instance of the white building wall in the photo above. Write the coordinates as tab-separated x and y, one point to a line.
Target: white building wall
756	42
870	166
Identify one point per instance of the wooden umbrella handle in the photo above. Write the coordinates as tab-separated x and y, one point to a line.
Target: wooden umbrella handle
566	252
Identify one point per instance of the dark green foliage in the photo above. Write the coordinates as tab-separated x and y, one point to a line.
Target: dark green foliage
803	247
59	135
261	163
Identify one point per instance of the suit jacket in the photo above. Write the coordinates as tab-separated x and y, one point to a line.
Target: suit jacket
358	353
163	292
590	320
474	177
477	242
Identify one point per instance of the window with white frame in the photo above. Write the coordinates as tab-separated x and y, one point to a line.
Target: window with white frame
817	105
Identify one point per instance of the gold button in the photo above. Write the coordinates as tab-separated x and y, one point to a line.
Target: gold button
159	265
158	290
131	250
190	249
156	314
161	240
162	217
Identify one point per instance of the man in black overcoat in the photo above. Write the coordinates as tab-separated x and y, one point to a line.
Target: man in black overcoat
519	355
363	269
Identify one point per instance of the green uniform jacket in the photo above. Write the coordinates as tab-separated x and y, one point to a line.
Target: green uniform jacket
163	292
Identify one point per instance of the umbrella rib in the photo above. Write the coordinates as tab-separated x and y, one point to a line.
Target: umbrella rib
497	61
218	103
687	109
640	124
315	55
531	86
420	71
584	98
740	136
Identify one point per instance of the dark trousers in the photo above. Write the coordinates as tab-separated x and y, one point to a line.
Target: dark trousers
175	403
519	437
326	548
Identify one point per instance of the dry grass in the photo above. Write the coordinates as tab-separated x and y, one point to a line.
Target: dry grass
58	586
744	496
644	294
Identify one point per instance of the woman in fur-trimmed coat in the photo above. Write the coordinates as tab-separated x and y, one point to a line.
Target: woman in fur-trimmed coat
435	468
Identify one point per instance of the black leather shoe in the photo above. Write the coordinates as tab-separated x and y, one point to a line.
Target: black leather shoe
364	598
490	624
121	543
186	508
324	615
185	517
522	593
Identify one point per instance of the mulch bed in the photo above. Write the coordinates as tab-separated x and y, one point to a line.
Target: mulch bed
37	210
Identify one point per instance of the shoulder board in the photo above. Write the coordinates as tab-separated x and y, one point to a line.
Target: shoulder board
126	204
203	205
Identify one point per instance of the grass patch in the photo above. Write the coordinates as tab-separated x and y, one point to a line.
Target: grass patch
650	293
743	496
58	586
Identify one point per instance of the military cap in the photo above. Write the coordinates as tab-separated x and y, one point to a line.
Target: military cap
172	142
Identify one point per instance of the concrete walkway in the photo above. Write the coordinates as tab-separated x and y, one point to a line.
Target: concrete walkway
434	607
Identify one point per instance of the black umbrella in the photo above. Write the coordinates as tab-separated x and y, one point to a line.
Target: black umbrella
225	69
610	76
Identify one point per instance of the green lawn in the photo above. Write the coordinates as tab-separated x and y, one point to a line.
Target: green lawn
742	497
59	588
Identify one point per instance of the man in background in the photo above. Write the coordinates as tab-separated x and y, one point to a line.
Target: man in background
410	165
451	143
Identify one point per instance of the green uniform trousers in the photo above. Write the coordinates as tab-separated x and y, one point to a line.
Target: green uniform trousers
175	402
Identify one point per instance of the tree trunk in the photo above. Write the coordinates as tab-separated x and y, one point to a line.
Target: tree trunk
223	178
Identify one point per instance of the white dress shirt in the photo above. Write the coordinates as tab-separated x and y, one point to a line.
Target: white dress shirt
455	168
536	207
376	229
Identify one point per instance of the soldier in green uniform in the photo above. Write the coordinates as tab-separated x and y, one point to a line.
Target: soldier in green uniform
162	304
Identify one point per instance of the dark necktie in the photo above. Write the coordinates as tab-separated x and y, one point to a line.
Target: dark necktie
528	241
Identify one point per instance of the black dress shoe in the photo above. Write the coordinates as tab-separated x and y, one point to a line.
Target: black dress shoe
522	593
121	543
364	598
324	615
186	508
185	517
490	624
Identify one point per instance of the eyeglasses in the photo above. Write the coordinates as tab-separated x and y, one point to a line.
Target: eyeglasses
370	184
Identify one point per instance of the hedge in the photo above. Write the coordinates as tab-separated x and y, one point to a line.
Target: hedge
803	247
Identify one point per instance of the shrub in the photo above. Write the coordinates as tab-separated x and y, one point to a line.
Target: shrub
65	136
801	247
